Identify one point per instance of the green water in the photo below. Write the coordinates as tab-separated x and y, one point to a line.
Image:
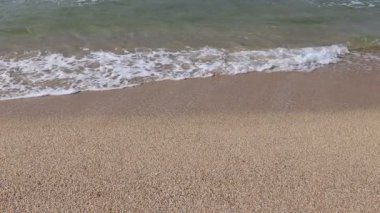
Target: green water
68	25
225	37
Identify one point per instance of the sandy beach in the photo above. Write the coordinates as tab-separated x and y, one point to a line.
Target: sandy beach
277	142
189	106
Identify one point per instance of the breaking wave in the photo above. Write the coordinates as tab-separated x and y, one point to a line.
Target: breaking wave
347	3
34	74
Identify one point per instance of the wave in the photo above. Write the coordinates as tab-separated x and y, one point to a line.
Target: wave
347	3
365	43
34	74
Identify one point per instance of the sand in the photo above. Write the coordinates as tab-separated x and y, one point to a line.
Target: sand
276	142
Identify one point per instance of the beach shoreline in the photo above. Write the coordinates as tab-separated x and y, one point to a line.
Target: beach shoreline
189	106
333	87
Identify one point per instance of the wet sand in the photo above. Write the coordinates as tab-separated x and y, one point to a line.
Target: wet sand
256	142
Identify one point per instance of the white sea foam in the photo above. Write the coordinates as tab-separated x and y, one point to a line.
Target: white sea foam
39	74
63	2
348	3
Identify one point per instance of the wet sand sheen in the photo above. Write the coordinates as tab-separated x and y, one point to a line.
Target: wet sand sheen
280	142
41	74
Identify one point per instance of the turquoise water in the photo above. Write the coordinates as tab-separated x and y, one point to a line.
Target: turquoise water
56	47
107	24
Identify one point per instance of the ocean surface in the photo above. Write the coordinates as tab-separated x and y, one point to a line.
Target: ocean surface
55	47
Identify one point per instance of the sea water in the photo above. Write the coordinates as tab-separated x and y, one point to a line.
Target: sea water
53	47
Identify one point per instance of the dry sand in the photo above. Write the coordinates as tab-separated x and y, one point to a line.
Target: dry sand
256	142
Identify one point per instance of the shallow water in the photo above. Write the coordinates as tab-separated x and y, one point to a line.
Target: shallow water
75	45
107	24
